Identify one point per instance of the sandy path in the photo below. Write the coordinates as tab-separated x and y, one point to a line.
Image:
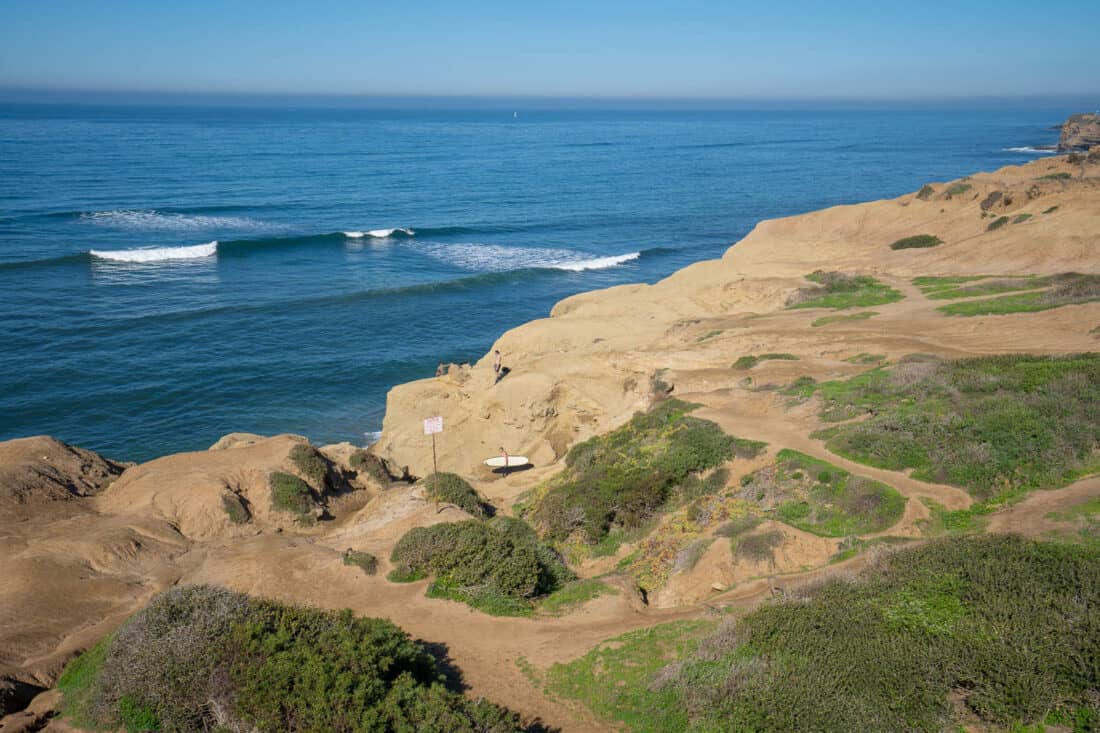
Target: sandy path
1029	516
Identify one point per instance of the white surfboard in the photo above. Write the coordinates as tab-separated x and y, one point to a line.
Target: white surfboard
513	461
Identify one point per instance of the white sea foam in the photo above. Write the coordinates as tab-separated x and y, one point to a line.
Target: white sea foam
497	258
157	221
1029	149
597	263
379	233
157	254
372	436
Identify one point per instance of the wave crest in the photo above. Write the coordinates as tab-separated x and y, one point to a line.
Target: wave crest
597	263
381	233
157	254
164	221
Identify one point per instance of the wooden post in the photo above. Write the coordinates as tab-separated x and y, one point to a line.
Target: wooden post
435	467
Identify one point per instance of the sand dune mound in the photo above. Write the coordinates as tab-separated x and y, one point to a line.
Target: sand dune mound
231	489
42	468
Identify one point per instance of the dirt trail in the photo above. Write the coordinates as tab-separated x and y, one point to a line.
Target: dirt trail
1029	517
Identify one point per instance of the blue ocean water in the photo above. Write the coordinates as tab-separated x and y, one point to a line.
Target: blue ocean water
303	314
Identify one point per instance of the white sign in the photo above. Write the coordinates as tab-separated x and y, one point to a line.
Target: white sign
433	425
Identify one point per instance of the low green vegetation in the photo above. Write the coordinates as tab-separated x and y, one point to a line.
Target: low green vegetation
1051	210
943	521
738	526
1088	508
826	320
573	595
801	388
618	481
235	509
498	567
614	679
917	241
201	658
291	494
926	192
976	286
840	290
996	426
865	358
370	464
307	460
997	223
994	632
958	189
929	284
708	335
1060	290
1083	519
852	546
1061	176
749	361
449	488
1020	218
365	561
758	546
818	497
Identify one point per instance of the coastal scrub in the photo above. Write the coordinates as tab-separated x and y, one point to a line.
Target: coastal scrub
842	291
917	241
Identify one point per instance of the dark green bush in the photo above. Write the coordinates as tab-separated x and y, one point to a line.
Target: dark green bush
370	464
957	189
265	666
450	488
926	192
290	494
235	509
367	562
312	465
997	223
623	478
917	241
482	563
995	426
1061	176
1008	626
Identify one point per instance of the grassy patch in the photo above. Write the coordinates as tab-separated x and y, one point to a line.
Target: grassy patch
758	546
449	488
290	494
866	358
1065	289
1020	218
802	388
573	595
200	658
973	287
498	567
840	290
614	680
365	561
852	546
826	320
1087	509
929	284
958	189
1056	177
307	460
620	480
917	241
995	426
235	509
749	361
997	223
738	526
943	521
1051	210
1006	624
818	497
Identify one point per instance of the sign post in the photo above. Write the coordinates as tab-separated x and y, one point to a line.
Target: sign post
433	425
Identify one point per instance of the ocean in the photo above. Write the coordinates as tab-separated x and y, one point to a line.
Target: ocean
171	274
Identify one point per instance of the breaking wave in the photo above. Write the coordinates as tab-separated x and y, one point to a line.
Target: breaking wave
381	233
157	254
171	222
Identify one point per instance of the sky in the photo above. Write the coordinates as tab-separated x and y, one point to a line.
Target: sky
718	49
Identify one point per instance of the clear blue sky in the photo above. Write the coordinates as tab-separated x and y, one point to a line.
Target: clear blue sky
692	48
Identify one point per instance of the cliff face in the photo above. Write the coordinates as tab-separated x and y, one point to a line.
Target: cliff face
1080	132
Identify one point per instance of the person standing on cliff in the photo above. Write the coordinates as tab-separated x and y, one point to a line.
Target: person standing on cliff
497	366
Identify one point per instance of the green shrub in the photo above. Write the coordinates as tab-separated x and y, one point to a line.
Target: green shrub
265	666
367	562
925	192
1051	210
995	426
621	479
1003	624
450	488
486	564
1020	218
841	290
366	462
235	509
802	388
746	362
958	189
290	494
1062	176
997	223
917	241
307	460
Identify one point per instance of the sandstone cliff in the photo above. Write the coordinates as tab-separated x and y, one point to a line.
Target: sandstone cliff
1080	132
